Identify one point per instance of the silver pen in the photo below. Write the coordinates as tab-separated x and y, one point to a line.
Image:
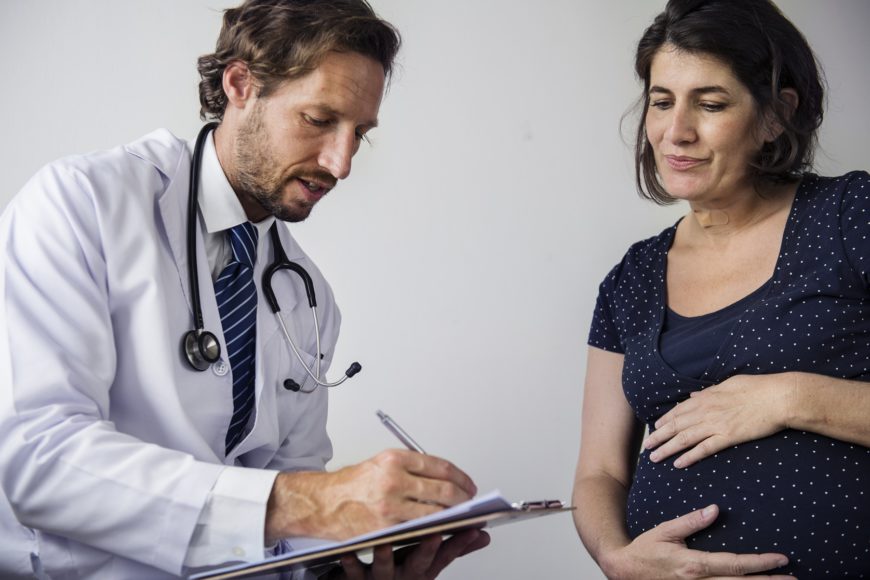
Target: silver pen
399	432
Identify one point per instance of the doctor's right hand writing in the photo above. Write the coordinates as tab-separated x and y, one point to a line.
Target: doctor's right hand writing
394	486
661	553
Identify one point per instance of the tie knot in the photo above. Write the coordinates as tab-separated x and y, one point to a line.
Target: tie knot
243	239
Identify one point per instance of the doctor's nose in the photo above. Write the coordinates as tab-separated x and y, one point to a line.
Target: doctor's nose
337	153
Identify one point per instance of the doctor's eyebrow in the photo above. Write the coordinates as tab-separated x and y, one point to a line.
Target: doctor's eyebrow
329	111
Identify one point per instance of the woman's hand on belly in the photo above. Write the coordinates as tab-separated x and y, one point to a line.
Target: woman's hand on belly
742	408
662	553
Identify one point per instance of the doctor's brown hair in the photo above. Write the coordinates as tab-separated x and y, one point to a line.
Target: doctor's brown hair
282	40
767	53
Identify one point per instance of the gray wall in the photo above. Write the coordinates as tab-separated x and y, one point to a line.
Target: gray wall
467	247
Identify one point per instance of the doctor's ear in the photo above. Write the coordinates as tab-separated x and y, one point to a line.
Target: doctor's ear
239	84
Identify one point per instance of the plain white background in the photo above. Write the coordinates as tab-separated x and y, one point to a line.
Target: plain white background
467	247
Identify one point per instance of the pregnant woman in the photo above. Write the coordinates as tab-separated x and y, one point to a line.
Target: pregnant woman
740	336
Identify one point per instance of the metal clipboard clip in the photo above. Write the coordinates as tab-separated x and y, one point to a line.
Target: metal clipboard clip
544	504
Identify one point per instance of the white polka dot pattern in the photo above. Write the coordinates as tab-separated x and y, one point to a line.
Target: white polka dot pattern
798	493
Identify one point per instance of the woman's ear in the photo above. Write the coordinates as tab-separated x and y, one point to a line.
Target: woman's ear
238	84
788	103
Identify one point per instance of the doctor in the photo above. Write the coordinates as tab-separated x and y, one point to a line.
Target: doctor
123	455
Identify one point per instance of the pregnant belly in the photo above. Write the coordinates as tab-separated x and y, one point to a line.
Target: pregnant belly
795	493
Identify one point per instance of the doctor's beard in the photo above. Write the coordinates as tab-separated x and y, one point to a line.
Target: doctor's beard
258	177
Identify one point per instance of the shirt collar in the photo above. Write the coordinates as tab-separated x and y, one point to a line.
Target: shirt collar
218	203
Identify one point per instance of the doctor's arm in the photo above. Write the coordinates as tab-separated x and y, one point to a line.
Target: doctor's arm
65	469
610	440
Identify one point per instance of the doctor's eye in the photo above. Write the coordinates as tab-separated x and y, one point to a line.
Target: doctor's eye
316	122
661	104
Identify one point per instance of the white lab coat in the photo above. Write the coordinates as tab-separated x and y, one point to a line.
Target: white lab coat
110	441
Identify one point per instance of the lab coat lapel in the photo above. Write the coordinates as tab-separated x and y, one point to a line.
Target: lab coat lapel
174	163
173	212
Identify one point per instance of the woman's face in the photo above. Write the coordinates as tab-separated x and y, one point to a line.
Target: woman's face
703	127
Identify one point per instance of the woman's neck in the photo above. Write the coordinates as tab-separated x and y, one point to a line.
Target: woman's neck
727	217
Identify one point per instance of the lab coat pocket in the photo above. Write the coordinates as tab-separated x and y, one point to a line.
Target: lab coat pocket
299	379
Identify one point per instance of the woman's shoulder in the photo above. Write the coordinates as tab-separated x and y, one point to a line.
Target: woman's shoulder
853	183
640	271
647	254
826	200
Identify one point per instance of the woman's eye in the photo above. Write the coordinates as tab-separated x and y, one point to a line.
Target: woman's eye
661	104
712	107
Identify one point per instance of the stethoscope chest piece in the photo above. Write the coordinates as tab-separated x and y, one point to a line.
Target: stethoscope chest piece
201	348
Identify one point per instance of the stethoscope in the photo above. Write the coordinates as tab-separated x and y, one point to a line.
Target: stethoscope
200	346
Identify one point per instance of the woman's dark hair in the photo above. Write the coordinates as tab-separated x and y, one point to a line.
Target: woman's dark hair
281	40
766	53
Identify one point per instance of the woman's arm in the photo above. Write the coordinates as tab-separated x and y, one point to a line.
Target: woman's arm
609	442
748	407
837	408
610	439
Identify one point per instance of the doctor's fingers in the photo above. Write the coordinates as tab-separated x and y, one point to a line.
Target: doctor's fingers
381	568
429	467
351	569
415	563
426	560
434	491
459	545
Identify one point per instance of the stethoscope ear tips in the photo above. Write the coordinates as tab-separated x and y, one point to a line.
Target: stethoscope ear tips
292	385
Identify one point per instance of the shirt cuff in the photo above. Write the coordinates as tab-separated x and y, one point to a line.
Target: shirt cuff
231	526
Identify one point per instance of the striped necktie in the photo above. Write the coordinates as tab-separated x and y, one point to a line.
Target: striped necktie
237	303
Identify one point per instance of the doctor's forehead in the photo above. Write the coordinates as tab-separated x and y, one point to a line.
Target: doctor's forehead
343	84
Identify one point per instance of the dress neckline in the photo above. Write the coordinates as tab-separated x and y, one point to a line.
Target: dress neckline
760	293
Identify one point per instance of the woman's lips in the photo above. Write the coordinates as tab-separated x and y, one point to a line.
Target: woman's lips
681	163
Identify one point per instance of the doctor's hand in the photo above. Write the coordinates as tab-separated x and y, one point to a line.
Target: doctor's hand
392	487
739	409
421	562
661	553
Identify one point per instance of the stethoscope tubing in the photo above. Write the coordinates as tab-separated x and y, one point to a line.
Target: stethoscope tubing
201	346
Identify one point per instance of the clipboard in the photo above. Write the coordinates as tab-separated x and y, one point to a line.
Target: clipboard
489	511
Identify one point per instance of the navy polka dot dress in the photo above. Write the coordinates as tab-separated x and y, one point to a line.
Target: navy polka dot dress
798	493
